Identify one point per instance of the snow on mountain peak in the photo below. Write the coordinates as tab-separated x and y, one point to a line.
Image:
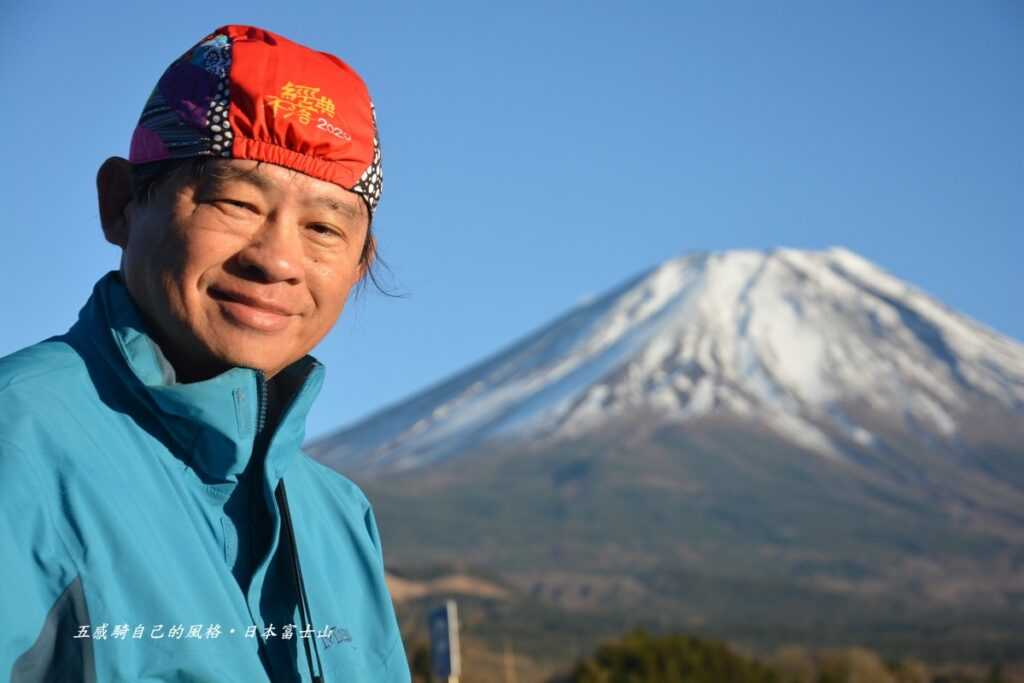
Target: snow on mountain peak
783	337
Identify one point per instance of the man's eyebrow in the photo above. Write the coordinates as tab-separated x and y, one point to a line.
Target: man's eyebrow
253	177
335	205
223	175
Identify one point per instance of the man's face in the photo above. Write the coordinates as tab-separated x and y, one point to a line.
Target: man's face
249	266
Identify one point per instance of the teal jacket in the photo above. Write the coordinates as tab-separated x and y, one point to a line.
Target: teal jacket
145	536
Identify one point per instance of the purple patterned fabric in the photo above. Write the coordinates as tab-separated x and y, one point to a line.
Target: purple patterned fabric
147	146
189	89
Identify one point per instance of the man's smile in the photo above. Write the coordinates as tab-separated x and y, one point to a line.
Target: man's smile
251	311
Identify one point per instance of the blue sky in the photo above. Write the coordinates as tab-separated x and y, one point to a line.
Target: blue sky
536	153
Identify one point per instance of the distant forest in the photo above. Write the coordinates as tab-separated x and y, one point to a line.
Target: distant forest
640	657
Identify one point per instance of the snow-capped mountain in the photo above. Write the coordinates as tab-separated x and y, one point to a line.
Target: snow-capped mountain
821	348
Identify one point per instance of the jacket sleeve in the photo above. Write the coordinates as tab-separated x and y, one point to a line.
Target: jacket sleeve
395	662
371	529
43	605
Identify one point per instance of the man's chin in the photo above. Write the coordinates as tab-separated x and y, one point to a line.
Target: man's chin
268	366
244	351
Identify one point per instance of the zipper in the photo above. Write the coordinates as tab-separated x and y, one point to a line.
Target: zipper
261	421
261	406
262	443
300	587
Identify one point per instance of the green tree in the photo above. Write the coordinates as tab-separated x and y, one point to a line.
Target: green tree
995	674
643	658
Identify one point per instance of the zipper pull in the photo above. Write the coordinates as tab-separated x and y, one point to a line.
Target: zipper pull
261	401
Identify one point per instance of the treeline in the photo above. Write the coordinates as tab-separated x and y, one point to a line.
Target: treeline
640	657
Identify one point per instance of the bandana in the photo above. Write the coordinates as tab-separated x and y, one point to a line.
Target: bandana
247	93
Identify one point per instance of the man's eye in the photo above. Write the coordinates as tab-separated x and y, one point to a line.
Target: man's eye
324	230
231	206
236	204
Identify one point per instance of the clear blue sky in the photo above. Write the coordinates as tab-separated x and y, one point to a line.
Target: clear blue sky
539	152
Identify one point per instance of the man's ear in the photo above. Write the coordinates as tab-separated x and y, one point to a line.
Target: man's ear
114	190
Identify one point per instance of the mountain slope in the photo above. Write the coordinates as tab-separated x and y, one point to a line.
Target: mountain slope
814	346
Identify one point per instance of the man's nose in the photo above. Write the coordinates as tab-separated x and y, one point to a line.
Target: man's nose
274	254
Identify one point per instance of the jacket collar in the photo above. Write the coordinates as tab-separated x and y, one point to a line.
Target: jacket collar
216	422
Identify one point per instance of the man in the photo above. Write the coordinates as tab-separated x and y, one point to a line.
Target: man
160	521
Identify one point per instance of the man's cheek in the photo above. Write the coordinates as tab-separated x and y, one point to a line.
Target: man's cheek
202	248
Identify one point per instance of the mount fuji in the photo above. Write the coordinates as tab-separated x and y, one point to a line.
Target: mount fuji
771	446
815	346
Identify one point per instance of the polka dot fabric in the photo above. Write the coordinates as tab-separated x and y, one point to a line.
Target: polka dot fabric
371	183
214	56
